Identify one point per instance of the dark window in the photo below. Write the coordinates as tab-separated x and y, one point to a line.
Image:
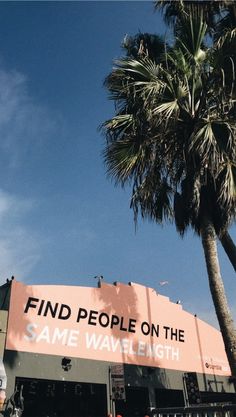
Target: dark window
218	397
136	404
47	398
169	398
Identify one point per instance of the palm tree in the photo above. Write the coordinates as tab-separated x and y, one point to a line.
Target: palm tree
218	14
220	17
143	44
229	247
173	11
173	140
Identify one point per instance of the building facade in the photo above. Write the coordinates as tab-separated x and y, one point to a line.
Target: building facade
75	351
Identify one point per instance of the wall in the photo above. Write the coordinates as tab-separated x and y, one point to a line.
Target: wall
140	317
129	324
3	331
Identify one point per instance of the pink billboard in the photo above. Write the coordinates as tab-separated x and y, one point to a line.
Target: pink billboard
120	323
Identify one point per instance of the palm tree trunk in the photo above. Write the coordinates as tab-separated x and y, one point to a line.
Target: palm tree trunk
223	313
229	248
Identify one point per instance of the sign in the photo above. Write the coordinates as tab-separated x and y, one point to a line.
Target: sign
117	382
120	323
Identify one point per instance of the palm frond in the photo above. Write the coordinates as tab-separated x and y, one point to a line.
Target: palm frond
203	143
167	109
126	158
227	37
227	180
121	121
145	68
181	216
190	38
152	198
224	133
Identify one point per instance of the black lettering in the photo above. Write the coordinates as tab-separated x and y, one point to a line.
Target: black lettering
173	334
145	328
124	329
30	304
82	314
132	323
41	307
166	328
51	308
181	336
114	320
155	330
106	322
92	316
64	309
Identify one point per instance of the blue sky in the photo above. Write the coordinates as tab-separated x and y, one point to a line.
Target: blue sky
62	221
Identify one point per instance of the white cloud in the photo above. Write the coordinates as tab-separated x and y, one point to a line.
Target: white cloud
25	128
19	248
24	123
12	205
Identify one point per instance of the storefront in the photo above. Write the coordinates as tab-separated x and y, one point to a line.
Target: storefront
87	352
